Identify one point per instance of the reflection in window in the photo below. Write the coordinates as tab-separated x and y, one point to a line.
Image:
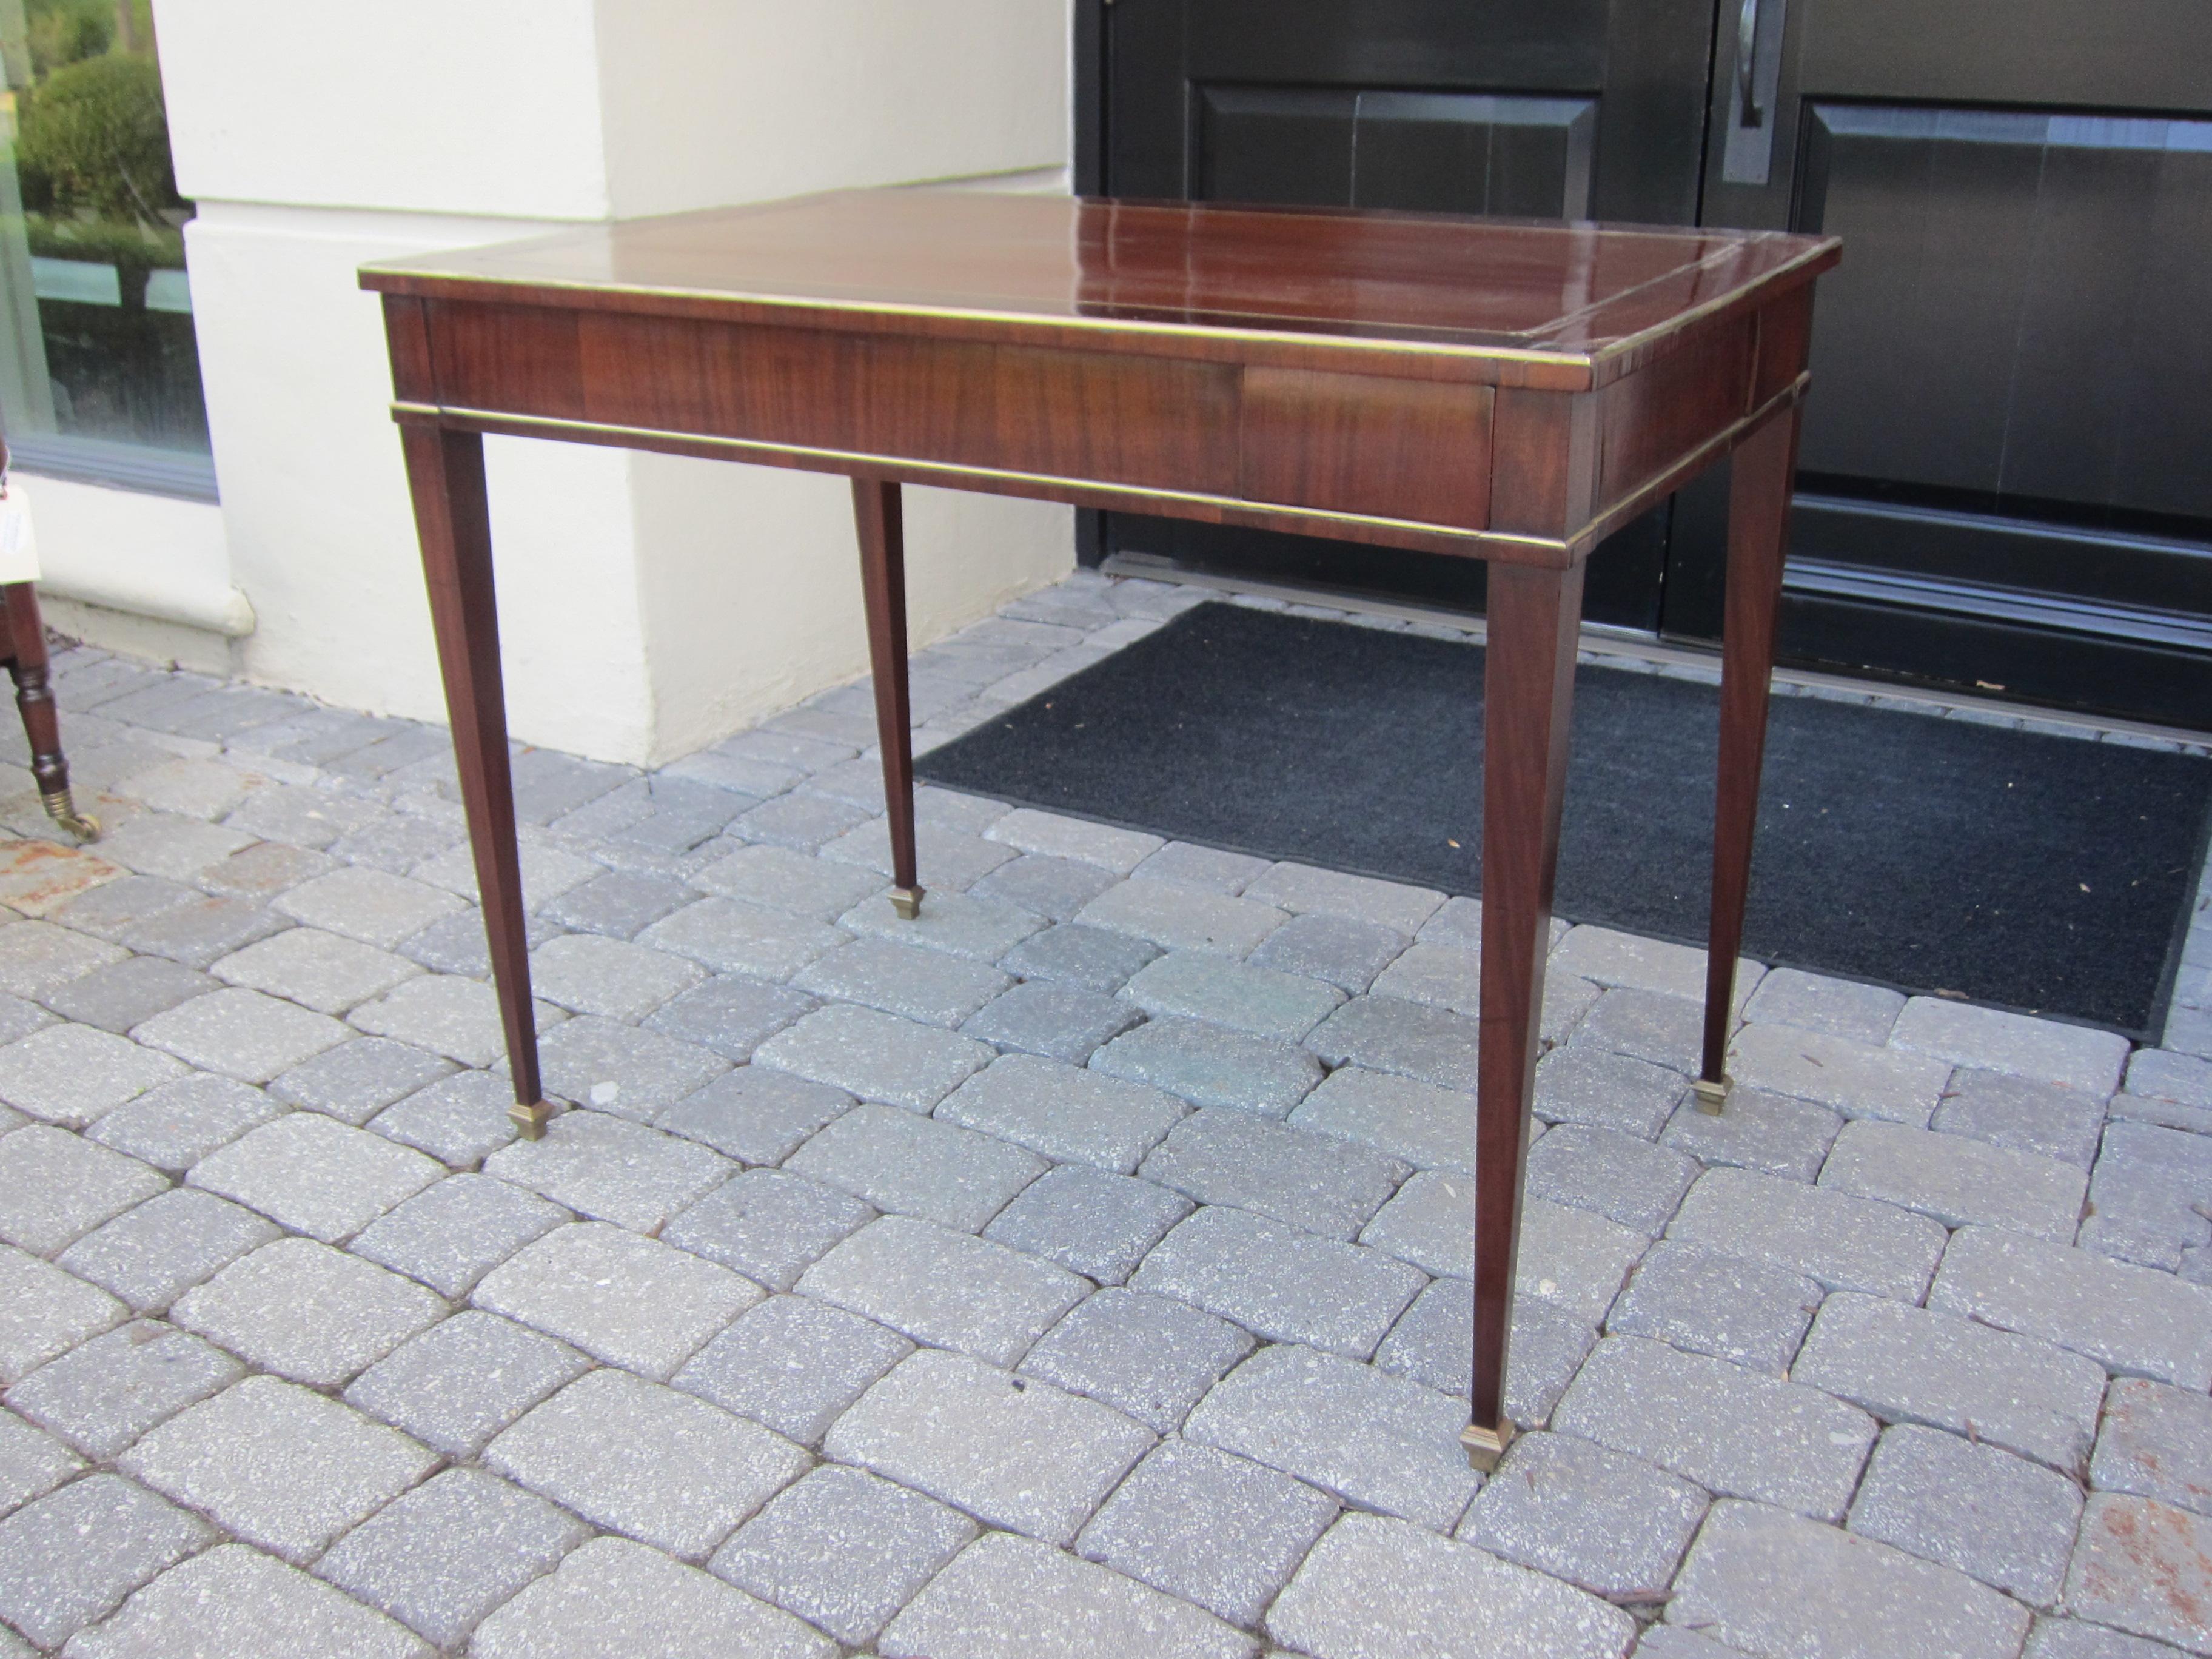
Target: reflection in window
99	369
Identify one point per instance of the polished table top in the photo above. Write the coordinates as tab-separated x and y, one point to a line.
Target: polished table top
1534	302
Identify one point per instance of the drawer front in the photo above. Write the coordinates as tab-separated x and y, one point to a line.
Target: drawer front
1358	443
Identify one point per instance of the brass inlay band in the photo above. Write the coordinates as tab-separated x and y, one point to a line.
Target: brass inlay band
556	426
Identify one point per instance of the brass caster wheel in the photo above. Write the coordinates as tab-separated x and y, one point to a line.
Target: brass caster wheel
61	807
906	901
1711	1097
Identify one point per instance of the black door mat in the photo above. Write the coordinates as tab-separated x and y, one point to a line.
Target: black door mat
2047	874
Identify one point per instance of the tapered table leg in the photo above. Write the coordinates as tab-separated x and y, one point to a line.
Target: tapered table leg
34	700
1758	522
445	473
883	585
1528	685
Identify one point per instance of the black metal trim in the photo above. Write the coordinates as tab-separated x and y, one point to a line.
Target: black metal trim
181	473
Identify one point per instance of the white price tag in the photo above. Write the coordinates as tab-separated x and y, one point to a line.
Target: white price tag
19	542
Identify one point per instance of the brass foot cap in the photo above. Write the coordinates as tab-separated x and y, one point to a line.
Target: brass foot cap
61	807
1485	1446
1711	1097
907	901
530	1121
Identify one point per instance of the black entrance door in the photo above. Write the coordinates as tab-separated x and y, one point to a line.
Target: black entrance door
2007	474
1542	108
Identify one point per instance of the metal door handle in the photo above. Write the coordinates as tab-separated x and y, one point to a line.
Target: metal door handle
1746	51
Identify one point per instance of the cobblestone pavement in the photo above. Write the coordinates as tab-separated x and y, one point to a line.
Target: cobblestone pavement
1079	1270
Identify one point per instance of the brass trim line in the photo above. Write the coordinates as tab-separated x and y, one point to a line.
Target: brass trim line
1560	552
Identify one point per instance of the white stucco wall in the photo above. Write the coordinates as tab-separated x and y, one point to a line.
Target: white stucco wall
649	605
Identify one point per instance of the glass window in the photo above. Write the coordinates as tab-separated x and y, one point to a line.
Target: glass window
100	373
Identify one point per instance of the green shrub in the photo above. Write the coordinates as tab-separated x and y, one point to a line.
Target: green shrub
93	136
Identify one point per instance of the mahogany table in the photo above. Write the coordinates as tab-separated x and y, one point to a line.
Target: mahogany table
1500	389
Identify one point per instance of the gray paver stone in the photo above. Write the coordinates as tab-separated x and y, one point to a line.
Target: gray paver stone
1616	958
1118	850
372	905
1958	1181
1198	984
306	1311
1389	1034
611	1169
72	1556
2144	1566
326	972
1736	1432
31	1462
793	1364
1346	953
591	974
1617	1175
2130	1320
843	1549
1015	1454
620	1069
71	1074
38	957
1314	1182
153	1254
2062	1639
1302	888
128	992
442	1555
1769	1132
1433	1343
944	1288
754	1114
1283	1283
233	1600
464	1380
242	1034
459	1120
1855	1078
2144	1195
1374	1586
315	1175
454	1231
1045	886
778	878
902	1162
1604	1091
877	1056
1062	1021
1211	1066
1189	866
1914	1365
1182	918
355	1081
631	1301
1006	1597
1145	1355
2167	1074
1378	1442
1614	1525
1847	1244
56	1186
1843	1007
917	984
1771	1583
2155	1440
174	1124
639	1458
1217	1530
982	930
1741	1311
731	1014
1571	1258
613	1597
277	1465
2075	1056
1072	954
2001	1519
618	904
1645	1025
2025	1115
1098	1224
1064	1112
103	1395
449	1016
1427	1126
768	1223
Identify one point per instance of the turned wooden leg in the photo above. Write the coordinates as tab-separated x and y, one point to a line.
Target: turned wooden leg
1529	688
445	473
1758	522
26	665
883	585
